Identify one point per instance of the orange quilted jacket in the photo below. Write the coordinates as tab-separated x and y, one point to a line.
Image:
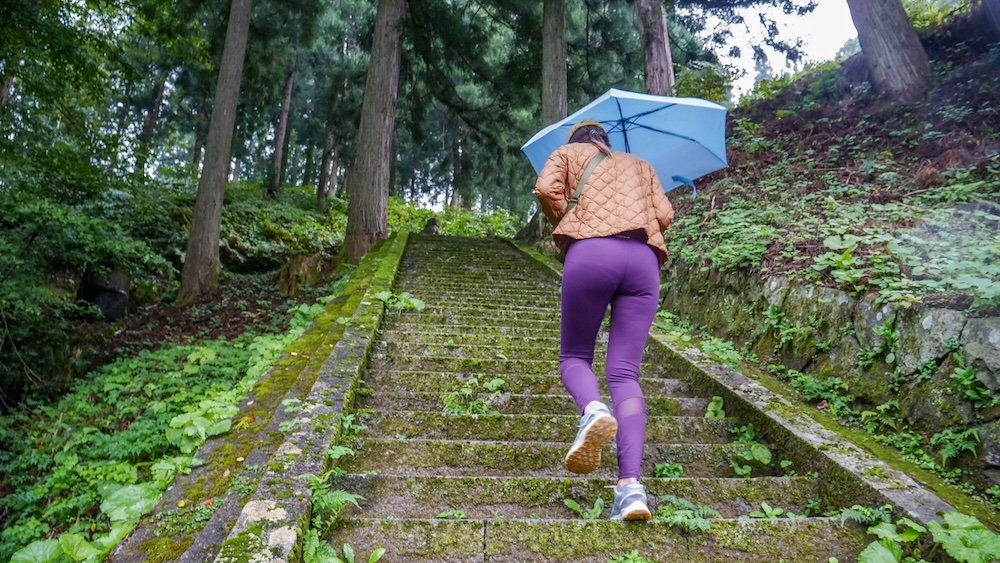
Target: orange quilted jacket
622	194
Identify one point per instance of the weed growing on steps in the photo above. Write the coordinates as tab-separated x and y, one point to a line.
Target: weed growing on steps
690	516
751	451
451	515
322	552
714	409
467	399
767	511
630	557
668	470
401	301
592	513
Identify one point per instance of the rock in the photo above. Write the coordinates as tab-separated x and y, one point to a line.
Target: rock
867	316
840	361
936	404
988	457
819	315
109	293
301	270
775	290
981	348
925	334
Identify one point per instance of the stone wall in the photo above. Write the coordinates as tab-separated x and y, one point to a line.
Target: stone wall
830	333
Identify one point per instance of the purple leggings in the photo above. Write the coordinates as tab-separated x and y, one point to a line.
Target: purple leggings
624	273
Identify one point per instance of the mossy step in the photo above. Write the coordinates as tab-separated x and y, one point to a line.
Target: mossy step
472	285
511	294
457	270
728	540
527	459
513	349
482	321
532	403
519	497
464	338
468	331
497	302
430	381
488	366
461	309
522	427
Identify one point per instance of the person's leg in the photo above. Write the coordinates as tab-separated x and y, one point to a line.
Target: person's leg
632	312
589	280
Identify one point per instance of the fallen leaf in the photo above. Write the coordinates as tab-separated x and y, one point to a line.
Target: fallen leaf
181	503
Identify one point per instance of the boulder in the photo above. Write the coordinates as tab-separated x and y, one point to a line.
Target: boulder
867	316
981	348
989	451
926	333
936	404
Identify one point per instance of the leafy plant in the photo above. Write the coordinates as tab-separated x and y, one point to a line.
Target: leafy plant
451	515
349	429
592	513
668	470
630	557
972	388
966	538
951	444
865	515
715	409
721	350
690	516
466	401
766	511
401	301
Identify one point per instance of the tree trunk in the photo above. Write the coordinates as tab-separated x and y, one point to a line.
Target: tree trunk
148	128
324	171
554	95
991	8
196	151
274	178
652	20
309	174
897	62
368	185
286	176
237	170
5	90
201	263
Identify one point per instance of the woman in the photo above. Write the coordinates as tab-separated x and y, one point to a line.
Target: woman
613	244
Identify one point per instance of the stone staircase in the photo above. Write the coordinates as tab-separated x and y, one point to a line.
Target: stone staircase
490	487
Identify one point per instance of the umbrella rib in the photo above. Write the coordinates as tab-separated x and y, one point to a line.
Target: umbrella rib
621	121
686	138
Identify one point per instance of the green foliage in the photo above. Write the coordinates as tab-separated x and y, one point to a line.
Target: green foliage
715	408
469	400
668	470
928	15
451	515
701	79
630	557
951	444
405	216
766	511
690	516
721	350
962	537
592	513
971	387
400	301
865	515
750	451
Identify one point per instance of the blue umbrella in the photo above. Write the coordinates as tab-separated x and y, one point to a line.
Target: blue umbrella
683	138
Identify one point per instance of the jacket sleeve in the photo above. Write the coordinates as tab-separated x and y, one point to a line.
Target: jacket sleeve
664	211
550	188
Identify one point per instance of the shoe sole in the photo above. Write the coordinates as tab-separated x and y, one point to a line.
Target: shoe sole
636	511
587	457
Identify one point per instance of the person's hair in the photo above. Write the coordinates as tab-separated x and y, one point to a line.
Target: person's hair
593	134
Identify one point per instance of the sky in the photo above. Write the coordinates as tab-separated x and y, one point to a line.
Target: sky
824	32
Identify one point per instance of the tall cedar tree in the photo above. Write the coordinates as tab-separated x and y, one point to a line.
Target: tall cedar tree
201	264
992	10
897	63
368	182
554	53
652	21
280	136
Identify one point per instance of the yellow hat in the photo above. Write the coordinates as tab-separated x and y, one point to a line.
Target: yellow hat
583	124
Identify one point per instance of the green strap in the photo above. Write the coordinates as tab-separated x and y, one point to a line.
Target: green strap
597	158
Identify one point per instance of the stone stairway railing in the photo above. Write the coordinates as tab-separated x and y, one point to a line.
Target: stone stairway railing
463	487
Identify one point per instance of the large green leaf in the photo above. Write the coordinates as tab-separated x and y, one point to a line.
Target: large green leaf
130	502
77	547
882	551
43	551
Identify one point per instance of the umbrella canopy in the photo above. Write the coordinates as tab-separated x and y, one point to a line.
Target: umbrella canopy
681	137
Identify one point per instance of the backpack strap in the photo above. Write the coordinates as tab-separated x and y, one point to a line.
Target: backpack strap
594	161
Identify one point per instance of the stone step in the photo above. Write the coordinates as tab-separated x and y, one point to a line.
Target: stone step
520	497
491	366
512	348
400	329
726	541
435	311
482	321
435	381
531	403
484	283
427	458
494	303
521	427
463	339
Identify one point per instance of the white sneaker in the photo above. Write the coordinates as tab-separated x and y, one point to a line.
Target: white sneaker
630	503
596	430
